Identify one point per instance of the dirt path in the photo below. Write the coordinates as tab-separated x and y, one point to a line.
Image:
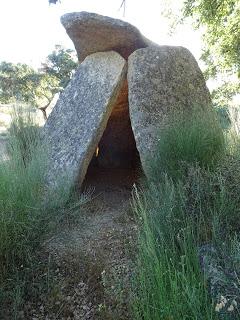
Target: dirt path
92	268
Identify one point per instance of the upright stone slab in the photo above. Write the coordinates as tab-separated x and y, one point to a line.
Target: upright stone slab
161	79
91	32
79	118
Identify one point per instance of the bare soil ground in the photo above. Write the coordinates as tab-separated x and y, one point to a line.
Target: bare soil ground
91	266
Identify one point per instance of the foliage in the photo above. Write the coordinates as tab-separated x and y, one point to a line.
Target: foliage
15	82
60	63
188	256
224	94
223	116
21	83
21	194
24	136
221	19
218	22
194	136
221	53
169	283
188	260
29	211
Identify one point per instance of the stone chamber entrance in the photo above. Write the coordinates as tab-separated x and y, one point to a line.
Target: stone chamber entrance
116	161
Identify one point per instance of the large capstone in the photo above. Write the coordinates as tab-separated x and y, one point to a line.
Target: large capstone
161	79
91	32
77	122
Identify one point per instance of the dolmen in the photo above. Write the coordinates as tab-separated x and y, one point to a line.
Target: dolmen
116	102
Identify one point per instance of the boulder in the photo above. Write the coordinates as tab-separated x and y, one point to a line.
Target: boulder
161	79
78	120
91	32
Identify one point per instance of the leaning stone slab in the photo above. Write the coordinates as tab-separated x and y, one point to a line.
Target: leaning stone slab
161	79
91	32
80	116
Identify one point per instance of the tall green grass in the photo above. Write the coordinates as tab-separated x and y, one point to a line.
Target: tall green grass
190	203
21	195
188	137
169	282
29	211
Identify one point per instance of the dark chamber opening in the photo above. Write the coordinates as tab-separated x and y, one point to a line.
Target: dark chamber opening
116	161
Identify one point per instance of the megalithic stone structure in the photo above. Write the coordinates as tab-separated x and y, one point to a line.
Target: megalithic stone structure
107	106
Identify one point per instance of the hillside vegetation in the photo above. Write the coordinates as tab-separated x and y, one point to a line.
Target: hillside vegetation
188	256
185	261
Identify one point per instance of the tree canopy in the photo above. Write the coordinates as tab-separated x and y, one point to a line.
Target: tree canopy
221	19
221	53
21	83
60	63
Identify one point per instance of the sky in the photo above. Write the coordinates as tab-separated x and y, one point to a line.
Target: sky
29	29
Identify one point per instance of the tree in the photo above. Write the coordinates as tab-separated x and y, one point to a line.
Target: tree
221	53
44	87
21	83
15	83
221	19
61	64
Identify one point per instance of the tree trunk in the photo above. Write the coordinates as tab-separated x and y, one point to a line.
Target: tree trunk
43	109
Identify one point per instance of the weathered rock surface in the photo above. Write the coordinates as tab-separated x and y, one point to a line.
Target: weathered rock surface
92	33
222	280
77	122
161	79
